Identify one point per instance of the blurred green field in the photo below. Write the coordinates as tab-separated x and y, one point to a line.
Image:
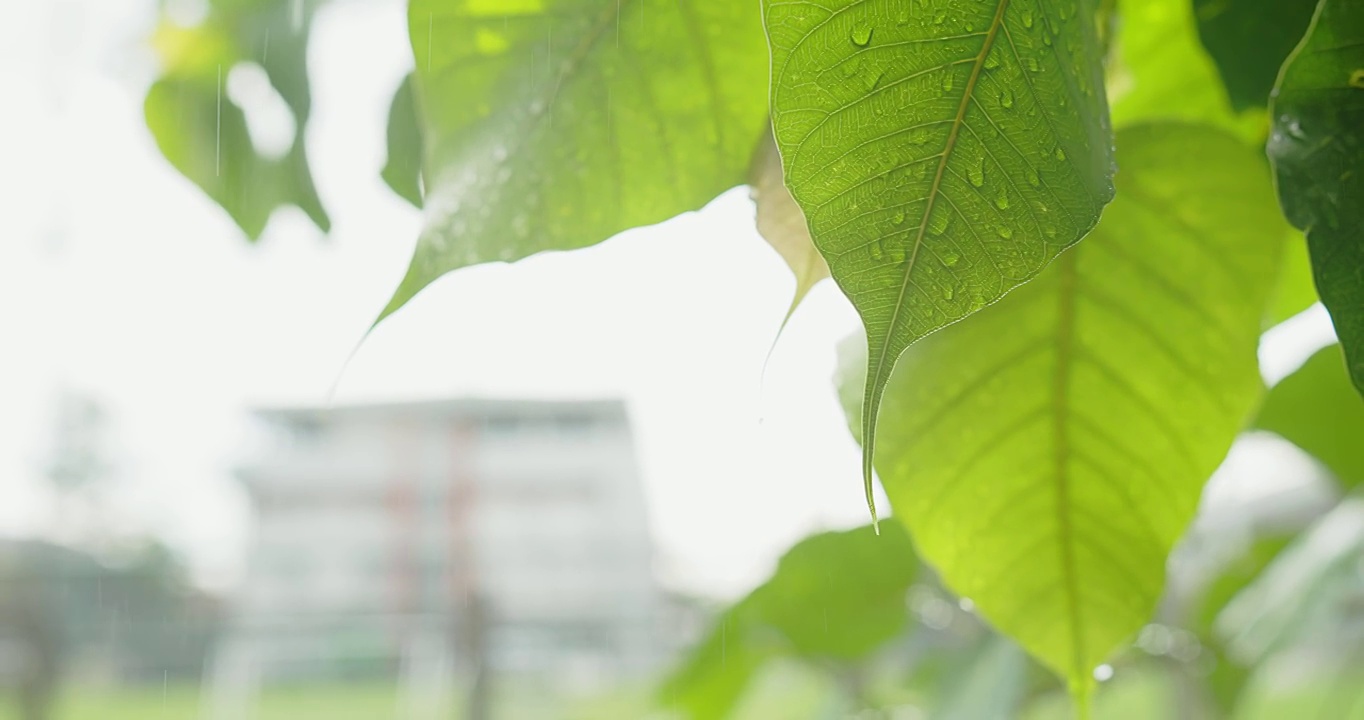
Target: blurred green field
789	693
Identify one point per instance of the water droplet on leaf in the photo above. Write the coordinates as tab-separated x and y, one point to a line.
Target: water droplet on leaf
1005	232
861	35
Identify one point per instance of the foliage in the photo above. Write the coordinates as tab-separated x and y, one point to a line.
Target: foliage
1044	453
1318	150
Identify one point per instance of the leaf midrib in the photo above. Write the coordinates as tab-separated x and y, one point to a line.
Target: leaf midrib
1065	340
877	378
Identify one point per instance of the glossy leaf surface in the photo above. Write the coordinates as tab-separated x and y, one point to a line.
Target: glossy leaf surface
942	154
555	124
1317	149
1047	454
403	168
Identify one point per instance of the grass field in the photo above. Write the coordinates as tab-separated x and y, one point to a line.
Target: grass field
785	696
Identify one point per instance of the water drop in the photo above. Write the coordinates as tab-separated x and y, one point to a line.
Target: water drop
947	82
1006	98
976	173
1033	178
898	218
1027	18
1357	79
950	258
940	17
1060	154
1033	64
947	292
939	222
877	251
861	35
1005	232
991	61
897	254
1002	201
1046	40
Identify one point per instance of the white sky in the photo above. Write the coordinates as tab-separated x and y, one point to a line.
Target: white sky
121	279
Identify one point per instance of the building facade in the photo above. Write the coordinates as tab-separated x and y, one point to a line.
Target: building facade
468	535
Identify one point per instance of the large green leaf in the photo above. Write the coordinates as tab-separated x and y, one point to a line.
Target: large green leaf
1249	40
1317	149
942	155
1047	454
1316	409
835	596
204	134
554	124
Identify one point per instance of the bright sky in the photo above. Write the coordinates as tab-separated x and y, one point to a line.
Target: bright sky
121	279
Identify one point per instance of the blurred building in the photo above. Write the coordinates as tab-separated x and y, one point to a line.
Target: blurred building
464	535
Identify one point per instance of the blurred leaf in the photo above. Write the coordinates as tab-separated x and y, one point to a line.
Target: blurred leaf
1294	292
1316	409
1317	149
1049	453
835	596
204	134
1249	40
942	158
1163	73
991	688
781	223
555	124
403	169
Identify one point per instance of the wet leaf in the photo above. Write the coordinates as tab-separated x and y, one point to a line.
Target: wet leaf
1047	454
1317	149
555	124
202	131
943	156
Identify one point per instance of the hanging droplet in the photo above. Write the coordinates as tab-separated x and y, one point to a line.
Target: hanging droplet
861	35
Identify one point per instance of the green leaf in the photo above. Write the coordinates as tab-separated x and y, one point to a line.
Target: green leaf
1162	72
943	156
1316	409
403	169
835	596
555	124
1047	454
1249	40
781	223
1317	149
204	134
1294	292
